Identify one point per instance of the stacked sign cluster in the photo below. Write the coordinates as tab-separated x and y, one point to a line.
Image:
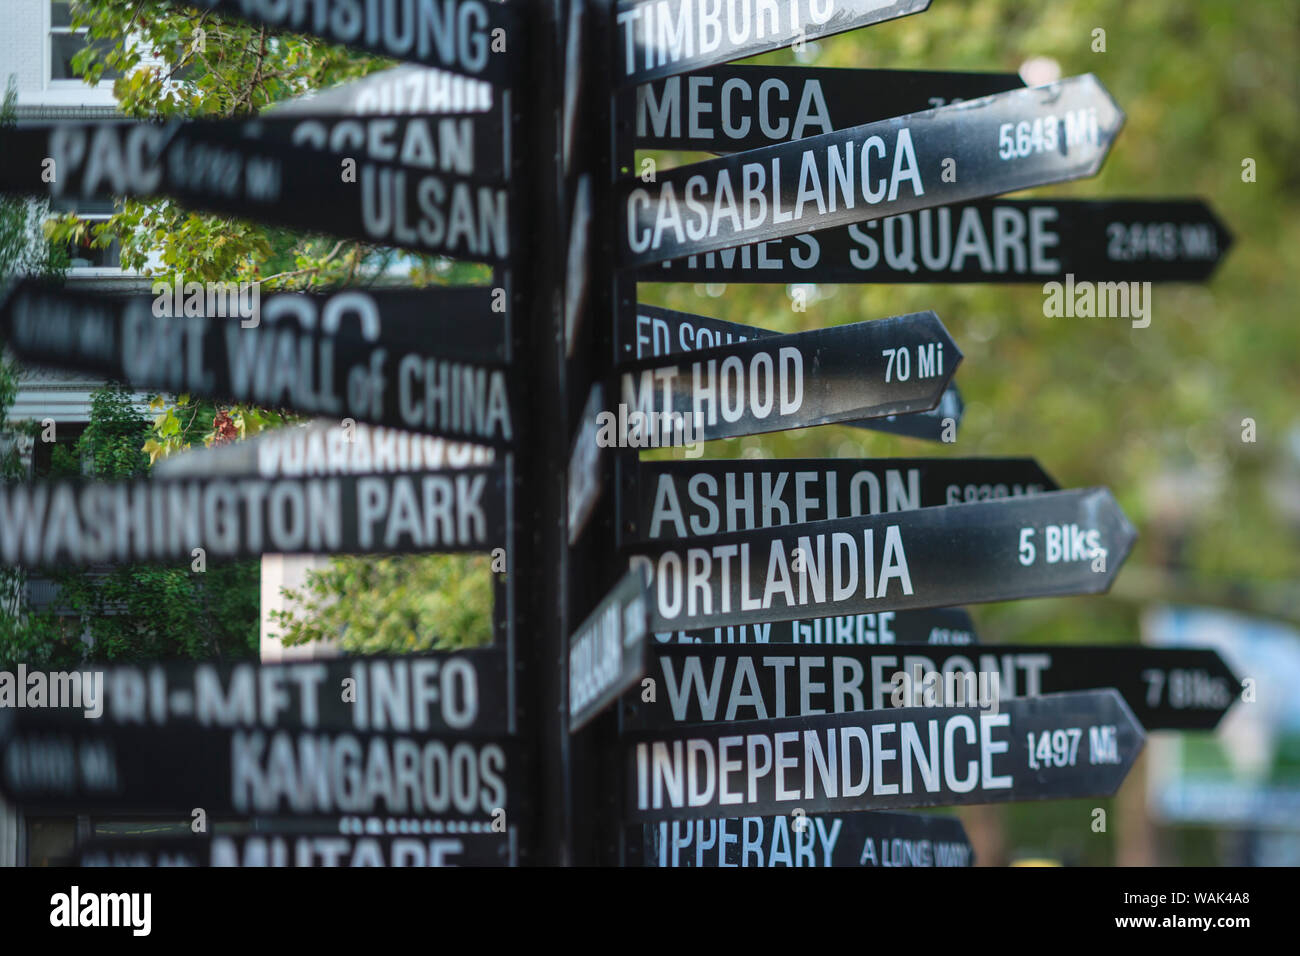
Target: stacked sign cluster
771	658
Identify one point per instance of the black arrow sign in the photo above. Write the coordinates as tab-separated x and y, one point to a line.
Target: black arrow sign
48	524
257	772
324	448
984	147
456	34
649	330
224	168
936	625
439	843
351	354
1040	748
685	499
1167	689
1055	543
662	37
607	653
432	692
827	839
1008	240
866	369
729	109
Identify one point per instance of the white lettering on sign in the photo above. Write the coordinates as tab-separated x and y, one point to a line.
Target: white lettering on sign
300	452
663	32
65	522
741	203
999	240
769	384
215	169
415	90
846	629
595	659
445	144
955	754
453	216
446	395
1019	675
342	773
836	567
453	31
747	841
654	336
395	696
330	850
49	324
759	687
254	695
901	852
742	108
423	513
745	500
62	522
279	367
122	160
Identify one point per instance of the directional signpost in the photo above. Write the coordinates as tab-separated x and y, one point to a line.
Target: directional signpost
1167	689
884	367
431	692
824	840
729	109
608	652
985	147
1052	747
227	168
258	772
677	499
1007	240
939	625
79	522
652	331
1056	543
330	355
662	37
699	663
467	36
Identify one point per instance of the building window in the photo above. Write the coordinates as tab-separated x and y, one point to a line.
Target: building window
59	457
66	41
81	254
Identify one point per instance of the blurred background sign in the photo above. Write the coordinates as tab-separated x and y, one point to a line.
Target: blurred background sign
1247	775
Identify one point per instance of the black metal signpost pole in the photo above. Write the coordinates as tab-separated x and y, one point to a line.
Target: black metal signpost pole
538	566
589	157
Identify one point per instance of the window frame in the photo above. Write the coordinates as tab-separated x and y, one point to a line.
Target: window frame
65	82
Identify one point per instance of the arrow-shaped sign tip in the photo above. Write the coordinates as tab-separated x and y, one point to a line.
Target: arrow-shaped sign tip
1105	514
